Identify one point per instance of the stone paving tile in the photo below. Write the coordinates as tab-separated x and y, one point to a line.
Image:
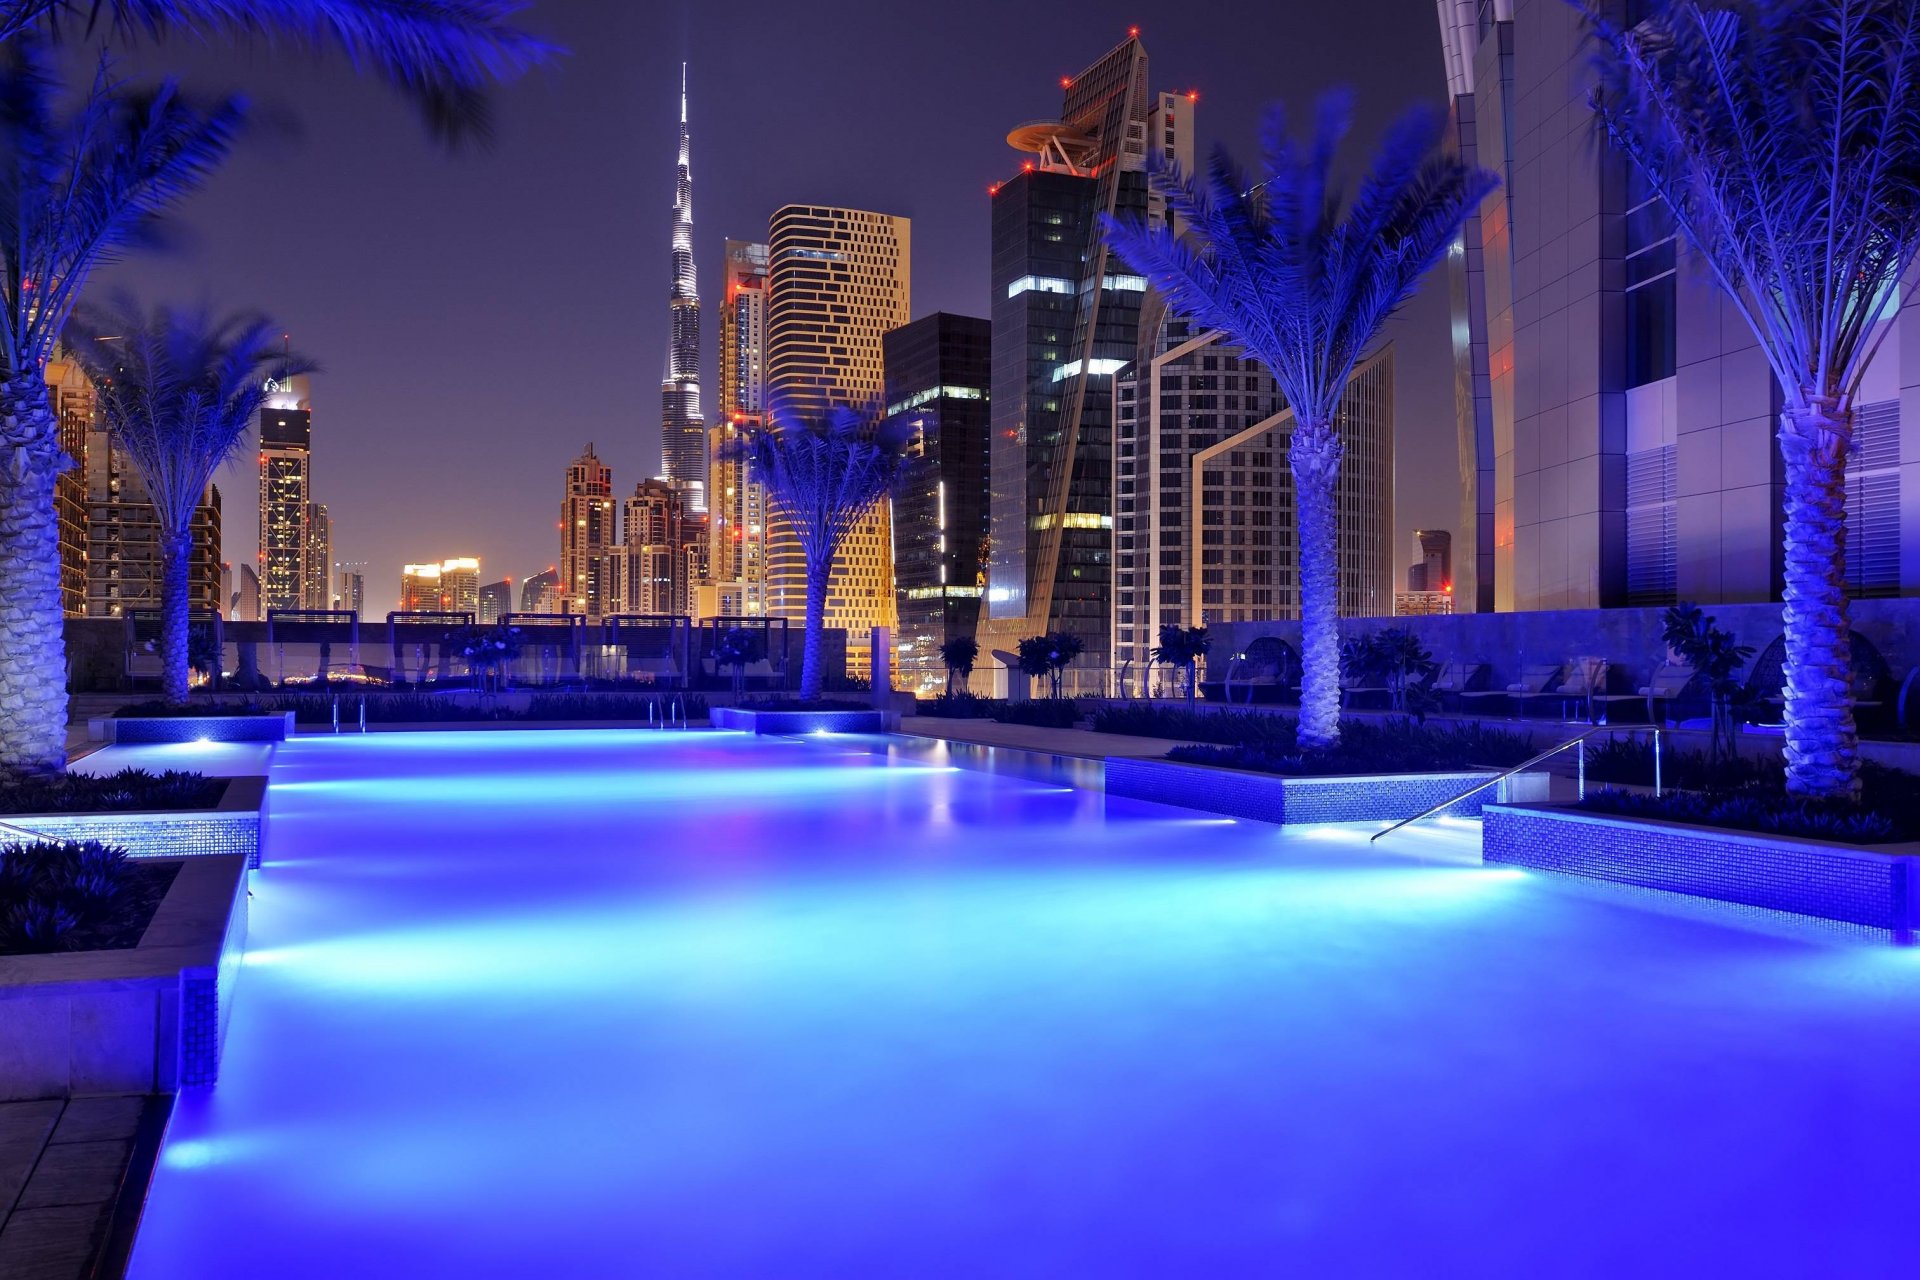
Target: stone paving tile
24	1127
76	1173
51	1244
107	1119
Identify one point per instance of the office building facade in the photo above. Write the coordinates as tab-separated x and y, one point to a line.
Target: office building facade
1617	419
938	380
736	499
1066	318
1204	529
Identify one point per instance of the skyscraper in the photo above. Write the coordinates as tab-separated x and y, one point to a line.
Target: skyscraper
683	435
350	586
541	592
496	601
736	500
460	584
1432	568
420	589
317	585
937	383
286	477
838	280
1204	517
587	536
1066	318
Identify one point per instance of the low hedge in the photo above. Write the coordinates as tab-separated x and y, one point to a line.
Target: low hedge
1368	747
130	790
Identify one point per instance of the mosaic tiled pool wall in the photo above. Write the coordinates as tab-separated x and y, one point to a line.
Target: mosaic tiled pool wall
274	728
859	721
206	999
234	827
1832	882
1265	797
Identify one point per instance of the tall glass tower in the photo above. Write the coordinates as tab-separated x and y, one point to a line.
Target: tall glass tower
683	436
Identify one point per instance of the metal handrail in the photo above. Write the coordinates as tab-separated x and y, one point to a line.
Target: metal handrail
1577	741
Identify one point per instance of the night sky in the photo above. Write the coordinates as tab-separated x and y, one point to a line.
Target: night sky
481	316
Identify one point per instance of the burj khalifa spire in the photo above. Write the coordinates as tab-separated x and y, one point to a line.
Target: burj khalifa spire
683	435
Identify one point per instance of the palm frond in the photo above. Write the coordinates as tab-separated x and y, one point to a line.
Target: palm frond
444	54
178	389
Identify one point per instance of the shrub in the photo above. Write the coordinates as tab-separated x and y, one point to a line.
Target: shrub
607	706
170	710
959	706
1047	713
76	895
803	704
1763	809
1150	720
130	789
1630	761
1393	746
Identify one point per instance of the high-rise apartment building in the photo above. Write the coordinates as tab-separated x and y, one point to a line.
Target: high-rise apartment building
838	280
541	592
587	536
350	586
245	601
460	584
650	554
683	434
1617	419
736	500
1432	567
70	393
421	590
1204	523
286	498
125	567
317	587
937	385
1067	318
496	601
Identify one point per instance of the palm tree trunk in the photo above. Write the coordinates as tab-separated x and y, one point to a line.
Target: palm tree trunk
33	651
1314	458
810	673
176	549
1822	747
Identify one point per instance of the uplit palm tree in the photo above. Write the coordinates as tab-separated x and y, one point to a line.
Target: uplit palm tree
1784	137
178	390
1303	280
75	189
823	479
444	54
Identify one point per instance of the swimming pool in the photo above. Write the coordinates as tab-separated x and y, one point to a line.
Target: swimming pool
703	1005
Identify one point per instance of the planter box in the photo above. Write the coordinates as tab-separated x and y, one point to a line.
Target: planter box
146	1019
856	720
207	728
1876	888
1272	797
234	826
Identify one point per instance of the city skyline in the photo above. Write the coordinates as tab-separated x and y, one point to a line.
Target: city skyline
441	357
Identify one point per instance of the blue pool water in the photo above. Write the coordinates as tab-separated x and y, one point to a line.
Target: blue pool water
701	1005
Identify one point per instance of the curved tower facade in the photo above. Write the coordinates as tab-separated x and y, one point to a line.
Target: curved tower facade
683	437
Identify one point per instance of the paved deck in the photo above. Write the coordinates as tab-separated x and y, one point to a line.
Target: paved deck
1084	743
62	1164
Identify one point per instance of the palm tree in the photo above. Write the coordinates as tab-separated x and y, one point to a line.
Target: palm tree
1784	138
74	190
442	53
1050	655
1182	647
958	654
178	390
823	479
1303	280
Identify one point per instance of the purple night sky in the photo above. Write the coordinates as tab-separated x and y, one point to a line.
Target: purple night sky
482	316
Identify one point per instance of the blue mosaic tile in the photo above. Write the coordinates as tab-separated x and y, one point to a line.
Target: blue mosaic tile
782	722
200	728
1272	798
148	835
1803	877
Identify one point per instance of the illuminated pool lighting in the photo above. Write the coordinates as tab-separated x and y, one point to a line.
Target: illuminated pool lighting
635	1003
